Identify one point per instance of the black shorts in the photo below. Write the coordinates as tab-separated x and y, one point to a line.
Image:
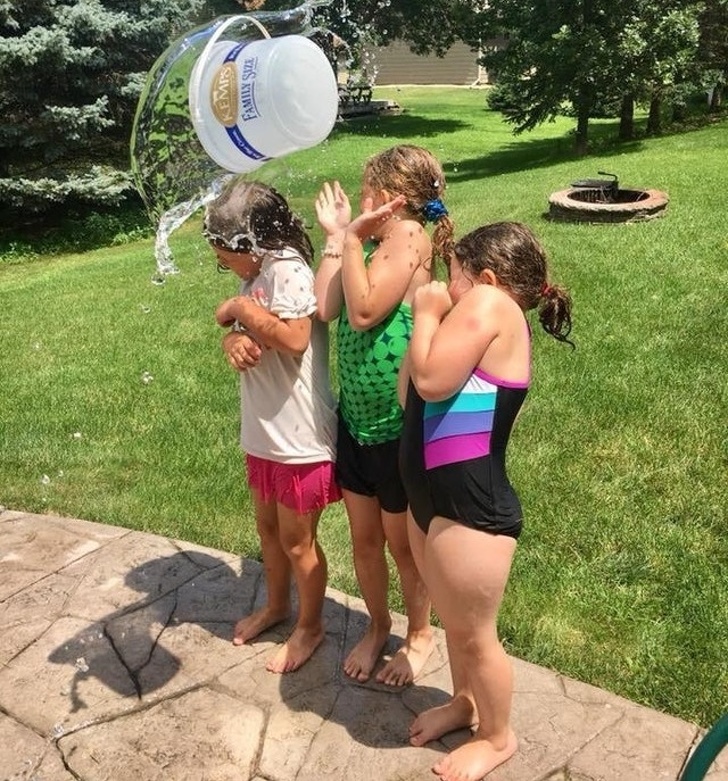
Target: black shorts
370	470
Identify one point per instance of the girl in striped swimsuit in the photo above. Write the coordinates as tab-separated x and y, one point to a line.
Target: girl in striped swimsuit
469	367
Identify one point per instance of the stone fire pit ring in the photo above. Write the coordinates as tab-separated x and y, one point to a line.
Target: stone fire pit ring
582	204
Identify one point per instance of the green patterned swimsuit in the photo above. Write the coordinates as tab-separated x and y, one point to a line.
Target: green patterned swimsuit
368	366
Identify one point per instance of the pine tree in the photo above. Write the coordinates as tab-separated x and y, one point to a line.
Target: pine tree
71	72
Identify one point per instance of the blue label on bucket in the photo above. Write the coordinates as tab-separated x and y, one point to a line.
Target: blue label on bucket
233	53
247	101
239	140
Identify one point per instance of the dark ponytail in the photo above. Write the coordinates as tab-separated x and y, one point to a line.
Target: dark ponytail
554	312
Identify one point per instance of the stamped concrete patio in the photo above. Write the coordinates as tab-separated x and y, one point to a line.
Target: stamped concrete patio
117	665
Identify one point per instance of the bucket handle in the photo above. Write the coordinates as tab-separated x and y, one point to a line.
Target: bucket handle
216	37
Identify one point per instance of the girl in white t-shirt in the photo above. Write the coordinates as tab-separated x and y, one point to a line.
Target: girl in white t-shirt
288	429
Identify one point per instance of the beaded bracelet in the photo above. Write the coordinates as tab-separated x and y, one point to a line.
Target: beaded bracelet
327	253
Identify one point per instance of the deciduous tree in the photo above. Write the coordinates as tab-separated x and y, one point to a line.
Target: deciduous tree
582	53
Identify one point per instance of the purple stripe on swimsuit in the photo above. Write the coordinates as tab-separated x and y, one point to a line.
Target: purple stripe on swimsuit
452	424
454	449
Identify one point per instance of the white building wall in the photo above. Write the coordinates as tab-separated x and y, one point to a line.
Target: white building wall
396	64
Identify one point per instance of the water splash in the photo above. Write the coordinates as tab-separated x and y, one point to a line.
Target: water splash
172	172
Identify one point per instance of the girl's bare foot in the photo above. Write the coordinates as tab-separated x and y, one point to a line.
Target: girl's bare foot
360	662
475	759
295	651
409	660
260	620
432	724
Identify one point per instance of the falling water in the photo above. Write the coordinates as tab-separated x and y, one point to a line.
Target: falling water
171	170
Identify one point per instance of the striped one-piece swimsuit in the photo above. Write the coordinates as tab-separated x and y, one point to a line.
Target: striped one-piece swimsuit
460	472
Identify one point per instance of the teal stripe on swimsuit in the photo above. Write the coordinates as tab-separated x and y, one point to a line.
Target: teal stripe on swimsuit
463	402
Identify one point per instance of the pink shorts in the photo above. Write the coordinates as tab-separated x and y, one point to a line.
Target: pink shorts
300	487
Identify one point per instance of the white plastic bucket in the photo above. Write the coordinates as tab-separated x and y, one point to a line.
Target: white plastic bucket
251	101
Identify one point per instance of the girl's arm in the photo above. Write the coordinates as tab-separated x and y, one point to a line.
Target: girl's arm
287	336
372	292
327	285
448	342
241	350
334	214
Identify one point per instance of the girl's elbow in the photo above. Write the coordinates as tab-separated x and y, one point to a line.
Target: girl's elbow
362	321
431	391
325	314
298	347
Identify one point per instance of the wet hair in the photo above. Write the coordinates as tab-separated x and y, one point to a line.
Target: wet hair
417	174
251	216
514	255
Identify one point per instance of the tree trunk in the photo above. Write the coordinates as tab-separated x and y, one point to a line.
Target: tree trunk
716	98
654	125
626	118
581	141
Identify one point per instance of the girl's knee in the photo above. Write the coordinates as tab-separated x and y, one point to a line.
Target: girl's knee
368	546
401	553
369	557
470	631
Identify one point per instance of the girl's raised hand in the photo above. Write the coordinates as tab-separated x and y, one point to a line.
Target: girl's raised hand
370	220
432	299
333	209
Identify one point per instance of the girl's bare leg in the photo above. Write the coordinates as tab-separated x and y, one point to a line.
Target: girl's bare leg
372	575
433	723
408	661
459	713
277	570
467	574
297	534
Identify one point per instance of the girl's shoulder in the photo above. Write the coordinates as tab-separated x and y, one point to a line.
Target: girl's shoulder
285	253
403	240
490	296
409	228
490	306
279	261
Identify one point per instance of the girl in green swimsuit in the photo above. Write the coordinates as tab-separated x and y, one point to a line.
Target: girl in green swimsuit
370	269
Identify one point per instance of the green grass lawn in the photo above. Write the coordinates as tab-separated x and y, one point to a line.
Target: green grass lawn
117	405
